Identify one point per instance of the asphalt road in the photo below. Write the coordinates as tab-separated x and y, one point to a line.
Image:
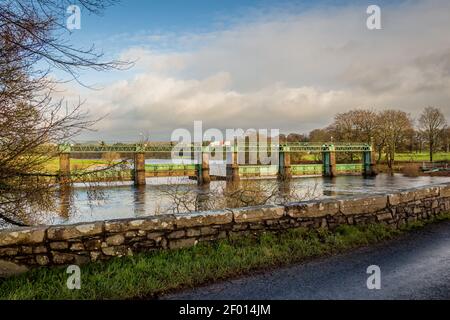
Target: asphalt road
417	266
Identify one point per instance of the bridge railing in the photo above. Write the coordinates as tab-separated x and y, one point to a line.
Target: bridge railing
169	147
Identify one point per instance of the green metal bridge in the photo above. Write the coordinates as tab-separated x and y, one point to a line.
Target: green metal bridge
313	147
200	168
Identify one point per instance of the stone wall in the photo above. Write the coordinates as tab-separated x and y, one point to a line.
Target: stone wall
24	248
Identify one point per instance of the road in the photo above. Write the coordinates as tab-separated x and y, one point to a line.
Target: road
416	266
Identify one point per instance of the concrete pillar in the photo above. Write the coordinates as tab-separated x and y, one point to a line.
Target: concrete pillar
369	162
203	169
64	168
333	164
232	166
139	169
329	163
284	166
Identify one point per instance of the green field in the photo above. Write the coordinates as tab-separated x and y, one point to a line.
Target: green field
52	166
423	156
151	274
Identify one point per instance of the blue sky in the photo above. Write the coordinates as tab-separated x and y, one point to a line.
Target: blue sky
287	65
129	23
178	15
136	17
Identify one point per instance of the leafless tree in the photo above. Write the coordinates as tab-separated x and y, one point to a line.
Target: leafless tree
446	139
394	126
431	123
32	122
320	135
355	125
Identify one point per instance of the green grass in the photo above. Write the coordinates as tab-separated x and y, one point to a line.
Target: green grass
147	275
423	156
52	166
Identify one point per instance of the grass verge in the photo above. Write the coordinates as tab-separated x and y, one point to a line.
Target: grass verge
150	274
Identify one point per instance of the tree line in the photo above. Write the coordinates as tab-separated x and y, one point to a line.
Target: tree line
33	44
389	131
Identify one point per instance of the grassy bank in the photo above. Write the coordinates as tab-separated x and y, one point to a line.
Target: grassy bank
146	275
52	166
420	157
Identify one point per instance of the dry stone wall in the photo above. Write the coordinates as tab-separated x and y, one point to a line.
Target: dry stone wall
25	248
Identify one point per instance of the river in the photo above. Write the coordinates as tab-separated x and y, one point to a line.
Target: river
160	195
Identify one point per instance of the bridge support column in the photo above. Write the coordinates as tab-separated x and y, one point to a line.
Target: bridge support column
203	176
232	166
368	164
329	163
284	166
139	169
64	168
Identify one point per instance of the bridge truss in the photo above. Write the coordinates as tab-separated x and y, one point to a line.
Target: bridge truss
169	147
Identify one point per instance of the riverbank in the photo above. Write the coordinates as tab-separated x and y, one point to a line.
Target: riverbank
411	169
150	275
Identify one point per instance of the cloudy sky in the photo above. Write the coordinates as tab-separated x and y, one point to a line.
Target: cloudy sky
288	65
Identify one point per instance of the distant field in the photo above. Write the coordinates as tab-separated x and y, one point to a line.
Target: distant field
423	156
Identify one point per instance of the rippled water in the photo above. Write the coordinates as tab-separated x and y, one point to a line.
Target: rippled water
126	200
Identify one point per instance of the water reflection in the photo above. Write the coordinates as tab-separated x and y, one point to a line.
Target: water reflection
65	198
139	200
126	200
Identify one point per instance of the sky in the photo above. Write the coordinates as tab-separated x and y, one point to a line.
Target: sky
259	64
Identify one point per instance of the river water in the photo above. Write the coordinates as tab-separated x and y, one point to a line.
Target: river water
160	195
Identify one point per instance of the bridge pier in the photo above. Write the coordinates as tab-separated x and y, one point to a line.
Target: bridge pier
369	164
202	171
329	163
64	168
139	169
284	166
232	170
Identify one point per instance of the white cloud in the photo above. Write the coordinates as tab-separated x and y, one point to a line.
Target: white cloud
286	71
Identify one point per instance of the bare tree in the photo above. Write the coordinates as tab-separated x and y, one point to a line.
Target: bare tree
446	139
431	123
394	126
355	125
320	135
32	122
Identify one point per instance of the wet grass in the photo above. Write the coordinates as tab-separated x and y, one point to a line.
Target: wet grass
151	274
52	166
